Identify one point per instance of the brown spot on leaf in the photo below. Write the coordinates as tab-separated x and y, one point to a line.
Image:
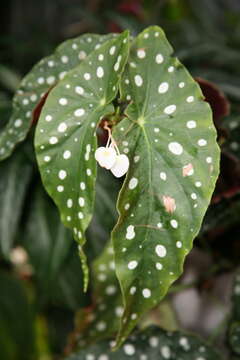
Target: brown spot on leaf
187	170
169	204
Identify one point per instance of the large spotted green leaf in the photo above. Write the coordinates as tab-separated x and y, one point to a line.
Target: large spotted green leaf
39	81
151	344
66	133
170	139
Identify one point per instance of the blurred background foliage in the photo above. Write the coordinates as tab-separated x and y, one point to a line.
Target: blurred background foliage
40	273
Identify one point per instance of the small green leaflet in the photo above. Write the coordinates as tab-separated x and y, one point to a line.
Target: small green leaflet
66	133
151	344
103	320
169	137
39	81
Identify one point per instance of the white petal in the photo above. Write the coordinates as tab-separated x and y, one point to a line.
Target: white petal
121	166
106	157
98	152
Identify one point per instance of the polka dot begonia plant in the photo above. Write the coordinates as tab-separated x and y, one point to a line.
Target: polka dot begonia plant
160	135
151	344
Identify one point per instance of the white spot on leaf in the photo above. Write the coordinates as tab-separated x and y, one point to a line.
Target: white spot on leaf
160	251
133	183
138	80
175	148
130	232
141	53
191	124
100	72
146	293
132	264
170	109
159	58
163	88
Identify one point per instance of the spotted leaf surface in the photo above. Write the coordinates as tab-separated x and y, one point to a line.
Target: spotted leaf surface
66	132
39	81
151	344
169	137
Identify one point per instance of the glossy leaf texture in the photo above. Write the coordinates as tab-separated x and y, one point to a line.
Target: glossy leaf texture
151	344
170	139
44	75
12	196
65	139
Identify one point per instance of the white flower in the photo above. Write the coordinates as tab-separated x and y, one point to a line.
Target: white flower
120	166
106	156
110	158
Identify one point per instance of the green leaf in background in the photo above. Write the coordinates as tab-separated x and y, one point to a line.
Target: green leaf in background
232	143
66	134
151	344
52	255
234	325
16	320
174	159
15	175
39	81
9	78
105	214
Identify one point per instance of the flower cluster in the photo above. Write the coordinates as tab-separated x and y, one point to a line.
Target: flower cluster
110	158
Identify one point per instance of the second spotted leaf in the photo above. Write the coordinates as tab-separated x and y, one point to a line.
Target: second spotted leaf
66	133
